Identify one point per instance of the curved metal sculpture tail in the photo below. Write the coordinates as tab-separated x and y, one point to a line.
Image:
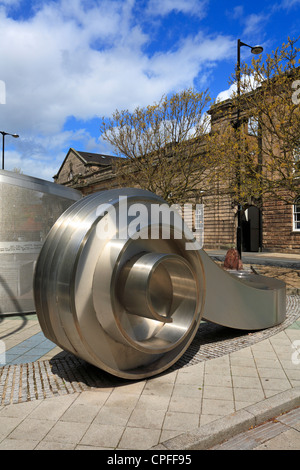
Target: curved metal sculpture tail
242	300
122	291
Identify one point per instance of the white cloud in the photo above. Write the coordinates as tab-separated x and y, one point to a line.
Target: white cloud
248	83
39	168
41	156
227	94
255	23
237	12
10	3
193	7
85	60
288	4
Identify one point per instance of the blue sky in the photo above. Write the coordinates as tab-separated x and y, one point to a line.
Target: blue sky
67	63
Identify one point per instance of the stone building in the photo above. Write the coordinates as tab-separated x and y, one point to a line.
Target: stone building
271	225
87	172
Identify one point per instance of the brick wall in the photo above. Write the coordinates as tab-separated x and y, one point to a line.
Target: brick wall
219	222
278	232
72	165
219	215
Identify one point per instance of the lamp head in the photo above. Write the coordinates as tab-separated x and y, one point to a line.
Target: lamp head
257	49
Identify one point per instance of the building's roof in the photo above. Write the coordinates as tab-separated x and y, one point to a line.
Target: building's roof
96	158
89	158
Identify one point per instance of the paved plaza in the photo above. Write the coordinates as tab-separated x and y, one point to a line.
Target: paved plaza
53	400
231	389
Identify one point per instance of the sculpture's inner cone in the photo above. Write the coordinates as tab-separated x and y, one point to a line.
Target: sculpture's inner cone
161	287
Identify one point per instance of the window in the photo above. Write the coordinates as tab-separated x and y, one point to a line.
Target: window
296	156
253	126
296	215
199	224
199	217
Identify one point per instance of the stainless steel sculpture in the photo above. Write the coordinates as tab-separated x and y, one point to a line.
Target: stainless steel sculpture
28	209
124	293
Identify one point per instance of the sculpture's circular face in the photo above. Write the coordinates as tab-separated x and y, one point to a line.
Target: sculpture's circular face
123	289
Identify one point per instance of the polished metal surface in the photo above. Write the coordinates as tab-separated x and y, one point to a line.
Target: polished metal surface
241	299
124	293
128	304
28	209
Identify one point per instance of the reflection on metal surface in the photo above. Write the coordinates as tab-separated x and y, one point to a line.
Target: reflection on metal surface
28	209
131	304
242	300
128	305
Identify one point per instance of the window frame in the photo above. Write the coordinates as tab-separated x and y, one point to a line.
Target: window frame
253	126
296	215
296	158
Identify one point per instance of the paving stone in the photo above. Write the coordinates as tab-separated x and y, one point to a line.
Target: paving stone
246	382
275	384
52	409
291	419
275	405
122	400
277	434
288	440
239	371
250	395
223	372
212	433
217	407
167	434
180	421
80	413
20	410
153	387
252	438
93	397
66	432
217	393
8	424
48	445
68	375
116	416
20	444
137	438
33	429
218	380
274	373
191	405
151	402
152	419
103	435
188	390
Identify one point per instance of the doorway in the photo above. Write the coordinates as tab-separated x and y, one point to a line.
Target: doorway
251	229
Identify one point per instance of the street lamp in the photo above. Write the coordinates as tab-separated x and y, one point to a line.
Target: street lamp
3	135
254	50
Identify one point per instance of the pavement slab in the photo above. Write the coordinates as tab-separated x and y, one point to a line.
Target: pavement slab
226	383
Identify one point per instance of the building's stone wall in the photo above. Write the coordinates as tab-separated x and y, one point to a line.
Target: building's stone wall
220	218
219	222
278	232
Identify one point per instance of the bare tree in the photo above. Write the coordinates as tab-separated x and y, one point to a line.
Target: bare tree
263	153
163	145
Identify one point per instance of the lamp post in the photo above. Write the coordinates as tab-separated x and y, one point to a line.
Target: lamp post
3	135
254	50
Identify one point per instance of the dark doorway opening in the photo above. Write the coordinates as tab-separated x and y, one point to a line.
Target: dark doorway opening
251	229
